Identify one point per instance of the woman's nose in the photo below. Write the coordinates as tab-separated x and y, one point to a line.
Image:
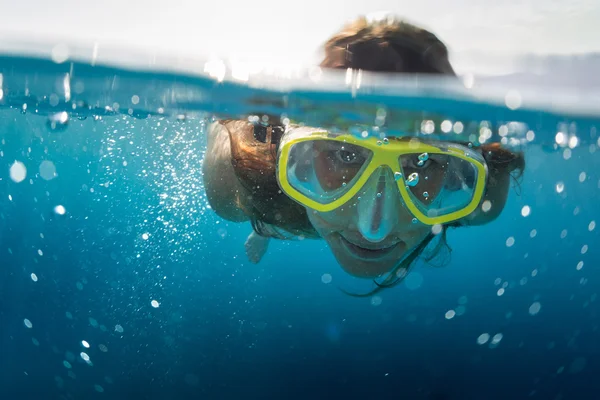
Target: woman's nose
380	206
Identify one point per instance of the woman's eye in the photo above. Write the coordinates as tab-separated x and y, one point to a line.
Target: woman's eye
347	157
415	162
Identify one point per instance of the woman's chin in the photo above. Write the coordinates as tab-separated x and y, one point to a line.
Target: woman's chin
365	269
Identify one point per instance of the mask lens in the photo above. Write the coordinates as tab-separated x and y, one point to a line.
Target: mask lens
325	169
439	184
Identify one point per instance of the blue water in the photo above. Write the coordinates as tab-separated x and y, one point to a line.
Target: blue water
160	289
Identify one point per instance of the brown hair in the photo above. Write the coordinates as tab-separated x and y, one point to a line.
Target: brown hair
386	45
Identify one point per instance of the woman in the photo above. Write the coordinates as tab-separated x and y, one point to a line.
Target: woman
377	203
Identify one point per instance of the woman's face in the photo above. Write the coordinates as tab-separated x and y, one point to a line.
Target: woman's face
373	231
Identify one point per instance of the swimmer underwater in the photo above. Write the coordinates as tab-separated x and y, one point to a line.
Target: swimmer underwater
378	204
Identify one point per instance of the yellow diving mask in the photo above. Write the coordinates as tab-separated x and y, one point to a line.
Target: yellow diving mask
439	182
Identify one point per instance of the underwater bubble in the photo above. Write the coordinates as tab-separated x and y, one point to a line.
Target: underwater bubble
497	281
579	265
344	184
523	281
84	356
530	136
584	249
34	277
567	154
510	241
560	139
525	211
413	179
326	278
450	314
563	234
386	141
486	206
497	338
592	226
573	141
500	292
423	157
18	172
35	342
67	364
85	344
534	272
145	236
560	186
47	170
379	143
397	175
103	348
119	328
425	195
99	388
582	177
27	323
446	126
378	194
60	210
135	99
483	338
58	122
458	127
376	301
535	308
436	229
414	221
154	303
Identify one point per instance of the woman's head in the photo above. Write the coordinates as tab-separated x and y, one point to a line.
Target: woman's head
387	44
378	226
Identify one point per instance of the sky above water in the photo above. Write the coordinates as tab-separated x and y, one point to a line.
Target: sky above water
476	32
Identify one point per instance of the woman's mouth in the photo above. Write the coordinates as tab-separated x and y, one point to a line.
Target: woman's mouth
370	251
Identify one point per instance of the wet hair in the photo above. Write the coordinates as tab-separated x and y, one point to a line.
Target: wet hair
388	44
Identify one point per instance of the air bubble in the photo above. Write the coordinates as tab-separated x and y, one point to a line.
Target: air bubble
483	338
414	221
510	241
58	122
386	141
326	278
413	179
425	195
560	186
397	175
535	308
18	172
525	211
